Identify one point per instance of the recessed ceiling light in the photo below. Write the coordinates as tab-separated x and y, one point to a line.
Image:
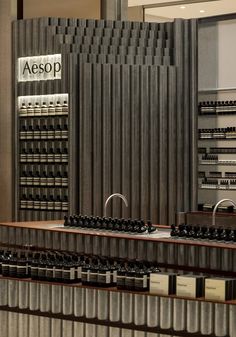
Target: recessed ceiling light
182	7
202	11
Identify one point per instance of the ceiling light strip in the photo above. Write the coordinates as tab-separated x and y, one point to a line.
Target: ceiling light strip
177	3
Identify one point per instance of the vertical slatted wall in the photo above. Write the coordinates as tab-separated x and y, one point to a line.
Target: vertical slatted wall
132	89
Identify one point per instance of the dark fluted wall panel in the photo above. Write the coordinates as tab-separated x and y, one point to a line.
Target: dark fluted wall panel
131	152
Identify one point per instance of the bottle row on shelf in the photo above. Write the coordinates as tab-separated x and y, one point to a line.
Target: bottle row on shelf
65	267
43	109
219	234
217	174
44	201
44	155
44	179
38	132
217	133
223	184
209	158
109	224
217	107
96	271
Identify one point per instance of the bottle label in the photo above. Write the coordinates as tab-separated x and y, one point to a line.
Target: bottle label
58	273
114	276
22	270
129	281
49	273
69	274
41	271
120	280
85	276
34	271
79	271
141	282
93	277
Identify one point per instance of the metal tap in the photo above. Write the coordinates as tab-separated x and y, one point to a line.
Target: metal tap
115	195
216	206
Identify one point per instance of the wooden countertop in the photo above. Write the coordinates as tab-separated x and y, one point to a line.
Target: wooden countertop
51	226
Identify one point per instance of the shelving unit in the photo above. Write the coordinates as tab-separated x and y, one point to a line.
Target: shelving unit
216	148
43	158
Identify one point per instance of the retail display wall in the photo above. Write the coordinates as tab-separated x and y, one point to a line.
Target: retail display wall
131	117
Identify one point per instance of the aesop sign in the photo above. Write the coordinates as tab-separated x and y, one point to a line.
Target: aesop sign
39	68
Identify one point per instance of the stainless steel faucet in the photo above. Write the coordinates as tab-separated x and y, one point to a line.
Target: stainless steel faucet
115	195
216	206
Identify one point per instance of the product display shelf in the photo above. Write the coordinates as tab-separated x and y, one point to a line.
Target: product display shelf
216	147
92	311
43	158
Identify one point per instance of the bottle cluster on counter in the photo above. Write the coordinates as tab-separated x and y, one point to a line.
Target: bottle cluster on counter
219	234
63	267
217	107
133	226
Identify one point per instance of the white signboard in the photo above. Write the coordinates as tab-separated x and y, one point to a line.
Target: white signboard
39	68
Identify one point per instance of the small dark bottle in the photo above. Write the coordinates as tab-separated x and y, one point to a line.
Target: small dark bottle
85	273
68	273
150	228
221	234
13	265
73	222
105	222
232	235
141	278
121	275
182	231
197	233
34	266
80	262
117	225
104	274
113	268
58	268
66	221
203	233
42	267
92	222
5	263
151	268
142	227
110	224
1	257
22	267
94	271
86	222
174	231
50	268
227	235
136	226
130	276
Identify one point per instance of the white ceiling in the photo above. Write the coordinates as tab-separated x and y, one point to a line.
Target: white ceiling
210	8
